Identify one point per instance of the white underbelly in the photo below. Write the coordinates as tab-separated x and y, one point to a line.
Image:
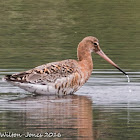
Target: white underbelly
61	86
48	89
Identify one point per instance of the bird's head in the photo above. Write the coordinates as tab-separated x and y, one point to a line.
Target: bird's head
91	44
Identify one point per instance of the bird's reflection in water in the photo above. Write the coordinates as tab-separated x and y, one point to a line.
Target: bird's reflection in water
71	116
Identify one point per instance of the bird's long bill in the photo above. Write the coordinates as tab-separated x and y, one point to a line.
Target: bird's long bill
103	55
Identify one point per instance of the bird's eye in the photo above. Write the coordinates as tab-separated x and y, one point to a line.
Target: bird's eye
95	44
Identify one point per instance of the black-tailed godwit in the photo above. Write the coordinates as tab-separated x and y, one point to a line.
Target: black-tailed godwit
62	77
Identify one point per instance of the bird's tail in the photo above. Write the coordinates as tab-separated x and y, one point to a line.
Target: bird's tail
9	78
18	77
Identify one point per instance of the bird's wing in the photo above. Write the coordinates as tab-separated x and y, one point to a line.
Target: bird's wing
46	73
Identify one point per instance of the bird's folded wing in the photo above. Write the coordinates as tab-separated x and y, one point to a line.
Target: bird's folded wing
46	73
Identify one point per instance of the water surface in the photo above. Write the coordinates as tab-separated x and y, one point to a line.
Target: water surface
107	107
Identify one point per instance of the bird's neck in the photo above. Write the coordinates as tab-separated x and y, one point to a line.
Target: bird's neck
85	60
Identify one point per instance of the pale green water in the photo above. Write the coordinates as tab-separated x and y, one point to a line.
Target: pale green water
36	32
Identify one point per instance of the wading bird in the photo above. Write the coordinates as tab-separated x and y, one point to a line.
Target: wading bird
62	77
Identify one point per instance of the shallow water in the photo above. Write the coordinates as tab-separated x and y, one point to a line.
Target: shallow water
106	107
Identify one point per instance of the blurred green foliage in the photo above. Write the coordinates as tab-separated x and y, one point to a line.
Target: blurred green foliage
37	32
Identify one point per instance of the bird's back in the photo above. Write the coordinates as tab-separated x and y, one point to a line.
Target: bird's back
63	77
